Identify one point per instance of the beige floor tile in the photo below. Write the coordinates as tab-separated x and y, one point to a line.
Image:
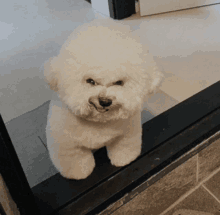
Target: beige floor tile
191	212
199	200
7	204
186	47
213	184
209	160
163	193
181	89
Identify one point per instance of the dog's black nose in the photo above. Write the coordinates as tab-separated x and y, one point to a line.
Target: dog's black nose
105	102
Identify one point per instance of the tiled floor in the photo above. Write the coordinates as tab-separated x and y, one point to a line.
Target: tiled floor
204	198
27	133
185	44
189	189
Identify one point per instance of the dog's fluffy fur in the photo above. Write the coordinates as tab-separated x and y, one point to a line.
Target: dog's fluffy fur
100	78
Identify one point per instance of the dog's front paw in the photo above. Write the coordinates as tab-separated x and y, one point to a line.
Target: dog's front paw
77	169
123	157
122	160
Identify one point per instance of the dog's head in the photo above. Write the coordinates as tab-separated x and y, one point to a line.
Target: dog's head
102	74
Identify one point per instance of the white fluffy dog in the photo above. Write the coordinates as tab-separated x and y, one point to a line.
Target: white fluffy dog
101	76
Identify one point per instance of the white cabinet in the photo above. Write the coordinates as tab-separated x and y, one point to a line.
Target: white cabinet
149	7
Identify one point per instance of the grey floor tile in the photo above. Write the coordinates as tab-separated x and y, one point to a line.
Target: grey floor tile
34	159
159	103
146	116
28	136
33	122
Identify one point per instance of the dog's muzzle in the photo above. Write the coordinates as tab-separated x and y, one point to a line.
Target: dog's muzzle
101	103
105	102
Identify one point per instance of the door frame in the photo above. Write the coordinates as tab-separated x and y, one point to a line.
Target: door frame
116	9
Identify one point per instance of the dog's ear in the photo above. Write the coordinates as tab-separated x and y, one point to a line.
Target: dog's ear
157	78
50	74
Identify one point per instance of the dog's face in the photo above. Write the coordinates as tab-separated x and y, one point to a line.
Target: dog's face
101	94
102	74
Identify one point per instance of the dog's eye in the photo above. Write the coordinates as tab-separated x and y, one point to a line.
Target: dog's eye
119	83
90	81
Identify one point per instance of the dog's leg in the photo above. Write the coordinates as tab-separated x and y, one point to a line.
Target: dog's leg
73	163
126	149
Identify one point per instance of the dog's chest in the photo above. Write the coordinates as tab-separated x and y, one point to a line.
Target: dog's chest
99	131
95	136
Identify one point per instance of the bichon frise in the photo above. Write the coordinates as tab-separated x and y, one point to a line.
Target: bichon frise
100	78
